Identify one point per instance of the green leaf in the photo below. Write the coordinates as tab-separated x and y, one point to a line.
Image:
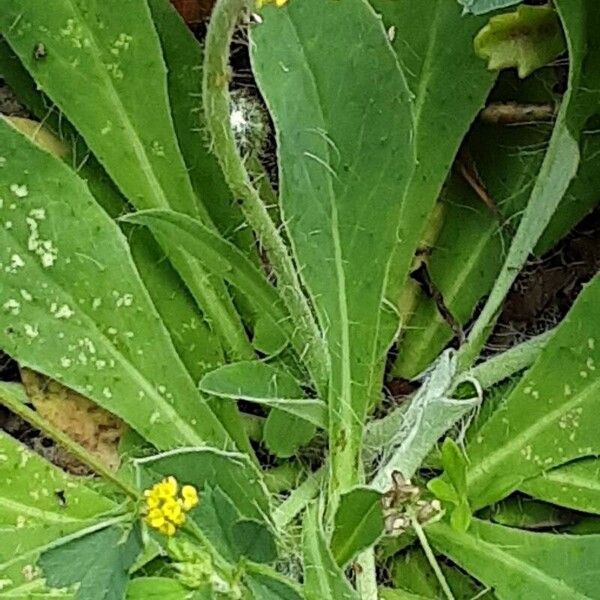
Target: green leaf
337	181
233	473
284	433
267	587
522	564
234	537
323	579
526	513
529	38
261	383
460	517
156	588
455	465
91	72
98	563
184	234
434	46
443	490
183	57
479	7
358	524
464	272
198	346
575	485
580	21
40	507
412	572
254	541
88	322
548	419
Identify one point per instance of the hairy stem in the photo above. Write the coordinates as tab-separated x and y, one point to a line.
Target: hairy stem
308	340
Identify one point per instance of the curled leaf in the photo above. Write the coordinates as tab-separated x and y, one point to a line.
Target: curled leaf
526	39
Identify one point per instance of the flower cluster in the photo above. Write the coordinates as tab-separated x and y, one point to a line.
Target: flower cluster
166	508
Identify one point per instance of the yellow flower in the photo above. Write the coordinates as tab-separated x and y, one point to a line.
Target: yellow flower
164	509
190	497
278	3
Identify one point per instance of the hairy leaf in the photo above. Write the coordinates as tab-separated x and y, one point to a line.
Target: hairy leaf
344	155
156	588
267	587
285	433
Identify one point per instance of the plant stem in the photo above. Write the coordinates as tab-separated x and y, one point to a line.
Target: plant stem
16	406
299	499
308	340
366	577
431	557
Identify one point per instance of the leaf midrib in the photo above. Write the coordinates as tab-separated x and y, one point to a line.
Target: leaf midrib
488	464
114	352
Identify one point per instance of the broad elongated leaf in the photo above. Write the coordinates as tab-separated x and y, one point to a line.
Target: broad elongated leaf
262	383
345	160
88	322
516	563
580	21
284	434
183	58
90	70
434	44
551	417
100	92
576	485
97	564
323	579
358	524
40	507
198	346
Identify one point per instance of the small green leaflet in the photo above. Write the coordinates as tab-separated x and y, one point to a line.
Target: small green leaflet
358	524
529	38
97	564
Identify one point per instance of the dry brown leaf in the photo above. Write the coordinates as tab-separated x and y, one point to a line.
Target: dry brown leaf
97	430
